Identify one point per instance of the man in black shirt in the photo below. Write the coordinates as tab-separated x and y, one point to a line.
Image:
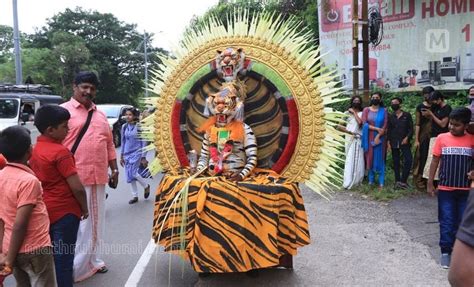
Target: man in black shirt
400	132
439	115
422	139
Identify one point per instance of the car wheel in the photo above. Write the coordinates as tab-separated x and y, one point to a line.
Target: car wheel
116	135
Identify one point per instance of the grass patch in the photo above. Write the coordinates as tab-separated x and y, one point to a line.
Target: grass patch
389	192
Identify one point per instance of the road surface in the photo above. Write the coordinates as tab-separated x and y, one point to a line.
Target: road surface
355	241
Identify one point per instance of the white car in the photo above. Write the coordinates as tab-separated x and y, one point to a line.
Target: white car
115	113
18	107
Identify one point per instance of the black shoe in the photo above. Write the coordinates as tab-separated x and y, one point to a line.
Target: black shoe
147	192
133	200
252	273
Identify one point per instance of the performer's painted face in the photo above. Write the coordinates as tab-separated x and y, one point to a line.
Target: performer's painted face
225	105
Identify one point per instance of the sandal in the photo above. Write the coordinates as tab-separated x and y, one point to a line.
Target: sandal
147	192
103	270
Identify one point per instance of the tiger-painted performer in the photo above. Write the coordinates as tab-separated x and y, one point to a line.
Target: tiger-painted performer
225	213
229	147
237	220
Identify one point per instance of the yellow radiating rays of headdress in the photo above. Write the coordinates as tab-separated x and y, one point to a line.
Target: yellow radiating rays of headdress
282	46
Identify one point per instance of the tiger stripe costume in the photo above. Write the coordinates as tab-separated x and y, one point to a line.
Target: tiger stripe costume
232	227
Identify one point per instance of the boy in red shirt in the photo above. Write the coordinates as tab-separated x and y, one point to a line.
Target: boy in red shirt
453	151
63	192
24	224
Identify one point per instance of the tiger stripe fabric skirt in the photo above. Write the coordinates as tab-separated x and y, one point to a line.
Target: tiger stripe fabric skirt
230	227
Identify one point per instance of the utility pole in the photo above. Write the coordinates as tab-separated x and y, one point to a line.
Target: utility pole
355	47
16	43
145	52
365	48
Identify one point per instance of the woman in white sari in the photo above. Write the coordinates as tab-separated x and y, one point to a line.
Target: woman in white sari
354	167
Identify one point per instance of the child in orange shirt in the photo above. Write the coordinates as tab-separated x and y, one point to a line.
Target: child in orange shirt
26	246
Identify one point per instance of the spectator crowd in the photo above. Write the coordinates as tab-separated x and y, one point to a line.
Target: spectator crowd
442	164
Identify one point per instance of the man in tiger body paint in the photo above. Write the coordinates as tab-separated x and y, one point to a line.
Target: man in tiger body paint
229	146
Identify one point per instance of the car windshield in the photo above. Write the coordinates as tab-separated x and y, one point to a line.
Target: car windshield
8	108
110	111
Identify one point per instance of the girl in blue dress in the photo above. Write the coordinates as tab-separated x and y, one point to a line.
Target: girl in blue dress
133	154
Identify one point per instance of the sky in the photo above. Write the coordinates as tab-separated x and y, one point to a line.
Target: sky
167	19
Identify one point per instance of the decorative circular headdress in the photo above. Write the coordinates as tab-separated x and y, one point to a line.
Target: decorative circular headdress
288	90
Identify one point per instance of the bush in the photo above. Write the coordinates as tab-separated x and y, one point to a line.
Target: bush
410	100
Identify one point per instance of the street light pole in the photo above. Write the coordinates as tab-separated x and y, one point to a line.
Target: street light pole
145	51
16	43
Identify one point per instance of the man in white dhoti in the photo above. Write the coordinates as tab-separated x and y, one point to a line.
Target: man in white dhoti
90	140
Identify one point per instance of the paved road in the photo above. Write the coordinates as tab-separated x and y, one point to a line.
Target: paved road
355	241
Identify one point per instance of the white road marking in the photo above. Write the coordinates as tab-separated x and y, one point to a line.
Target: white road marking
137	272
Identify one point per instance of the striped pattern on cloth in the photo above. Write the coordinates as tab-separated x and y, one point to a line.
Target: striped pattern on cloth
456	162
456	154
232	227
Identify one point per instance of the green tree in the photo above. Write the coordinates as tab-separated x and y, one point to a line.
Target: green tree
7	64
304	10
6	43
7	71
71	55
40	64
99	42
